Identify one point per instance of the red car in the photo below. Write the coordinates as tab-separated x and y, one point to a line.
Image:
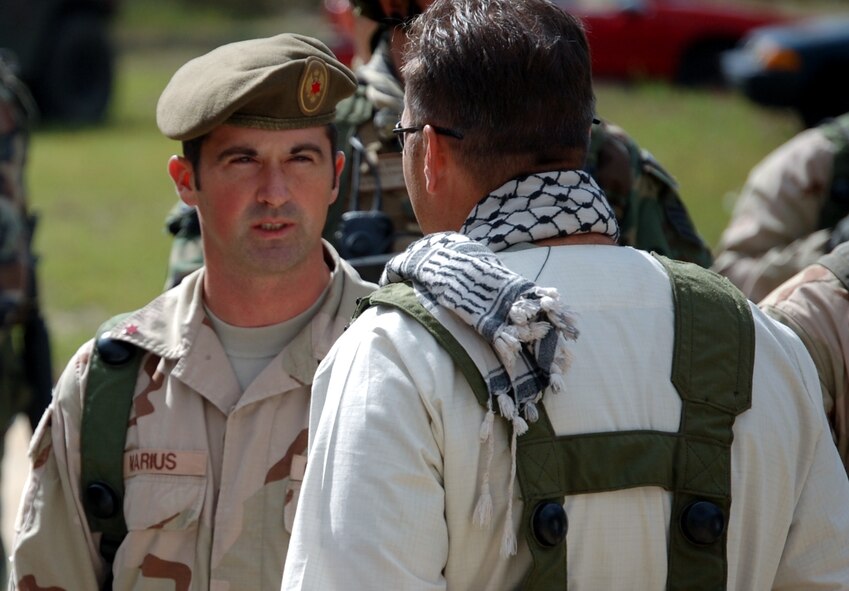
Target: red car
675	40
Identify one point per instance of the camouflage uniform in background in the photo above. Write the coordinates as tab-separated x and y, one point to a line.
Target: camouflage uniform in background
25	369
186	251
789	210
815	304
372	217
650	211
14	131
25	365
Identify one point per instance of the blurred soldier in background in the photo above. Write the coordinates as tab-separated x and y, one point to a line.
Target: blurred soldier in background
790	210
815	304
26	376
373	218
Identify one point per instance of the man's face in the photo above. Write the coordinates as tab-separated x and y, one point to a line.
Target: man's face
264	198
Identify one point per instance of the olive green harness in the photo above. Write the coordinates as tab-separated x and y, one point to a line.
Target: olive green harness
112	376
712	372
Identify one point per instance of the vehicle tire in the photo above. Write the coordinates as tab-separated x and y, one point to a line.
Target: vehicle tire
700	64
76	80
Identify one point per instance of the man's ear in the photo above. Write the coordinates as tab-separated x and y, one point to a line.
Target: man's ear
339	166
182	173
435	158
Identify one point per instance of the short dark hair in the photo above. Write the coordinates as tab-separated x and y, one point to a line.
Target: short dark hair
192	147
514	76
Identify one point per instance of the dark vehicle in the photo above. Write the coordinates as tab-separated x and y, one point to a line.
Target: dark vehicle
64	54
676	40
802	66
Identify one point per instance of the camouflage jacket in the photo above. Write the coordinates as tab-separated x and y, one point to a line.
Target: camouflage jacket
16	113
26	375
779	226
815	305
211	474
651	213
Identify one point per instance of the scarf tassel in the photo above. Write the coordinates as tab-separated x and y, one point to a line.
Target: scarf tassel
482	516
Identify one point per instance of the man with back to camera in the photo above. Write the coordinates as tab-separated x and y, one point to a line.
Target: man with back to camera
215	442
685	447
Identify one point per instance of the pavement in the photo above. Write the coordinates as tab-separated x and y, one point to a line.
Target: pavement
15	468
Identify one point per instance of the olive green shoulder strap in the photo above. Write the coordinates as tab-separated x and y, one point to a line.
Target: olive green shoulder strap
712	372
108	397
402	297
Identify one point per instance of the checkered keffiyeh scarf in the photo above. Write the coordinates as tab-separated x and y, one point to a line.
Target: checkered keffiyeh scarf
526	325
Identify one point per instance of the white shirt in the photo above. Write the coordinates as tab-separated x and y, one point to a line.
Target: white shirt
395	461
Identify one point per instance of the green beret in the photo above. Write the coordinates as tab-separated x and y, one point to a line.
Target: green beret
287	81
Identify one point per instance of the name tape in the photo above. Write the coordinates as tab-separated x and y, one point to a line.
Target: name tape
159	461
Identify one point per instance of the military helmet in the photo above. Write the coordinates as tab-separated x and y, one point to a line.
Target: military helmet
390	12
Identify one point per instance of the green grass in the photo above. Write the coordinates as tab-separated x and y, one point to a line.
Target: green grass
102	192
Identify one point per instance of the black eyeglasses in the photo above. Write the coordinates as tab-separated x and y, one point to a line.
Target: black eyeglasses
400	132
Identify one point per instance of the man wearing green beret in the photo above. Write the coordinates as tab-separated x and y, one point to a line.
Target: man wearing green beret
215	441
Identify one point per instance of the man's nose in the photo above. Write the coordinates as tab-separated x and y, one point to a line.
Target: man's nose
274	190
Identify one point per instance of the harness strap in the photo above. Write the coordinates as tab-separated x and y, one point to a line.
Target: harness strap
402	297
108	398
712	372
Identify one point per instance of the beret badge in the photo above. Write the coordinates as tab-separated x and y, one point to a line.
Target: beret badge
313	86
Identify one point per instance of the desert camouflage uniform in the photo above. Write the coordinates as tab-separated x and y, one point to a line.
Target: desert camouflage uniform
650	211
783	217
204	511
815	304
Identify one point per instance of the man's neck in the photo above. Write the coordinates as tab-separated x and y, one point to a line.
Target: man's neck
248	300
592	238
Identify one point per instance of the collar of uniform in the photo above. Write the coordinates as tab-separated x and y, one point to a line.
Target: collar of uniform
168	324
313	343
